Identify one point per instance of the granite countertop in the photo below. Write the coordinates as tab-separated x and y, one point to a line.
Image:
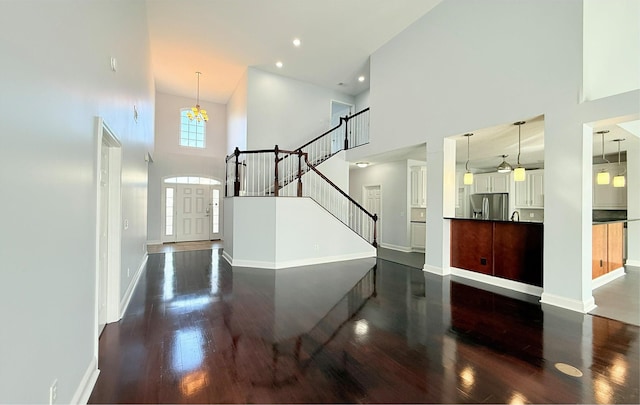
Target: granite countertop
613	221
524	221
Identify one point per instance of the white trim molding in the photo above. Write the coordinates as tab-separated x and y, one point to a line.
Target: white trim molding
633	263
498	282
276	265
568	303
126	299
440	271
83	392
404	249
607	278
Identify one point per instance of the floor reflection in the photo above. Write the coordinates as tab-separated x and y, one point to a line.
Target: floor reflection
198	331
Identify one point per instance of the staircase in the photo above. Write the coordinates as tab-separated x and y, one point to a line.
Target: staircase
294	173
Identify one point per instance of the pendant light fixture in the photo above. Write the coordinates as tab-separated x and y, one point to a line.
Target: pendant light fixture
504	167
619	180
468	176
196	112
603	176
519	172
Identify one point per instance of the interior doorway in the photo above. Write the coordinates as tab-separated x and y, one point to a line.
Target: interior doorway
338	109
108	237
372	196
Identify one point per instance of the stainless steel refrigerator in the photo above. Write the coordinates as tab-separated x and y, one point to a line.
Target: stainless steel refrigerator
490	206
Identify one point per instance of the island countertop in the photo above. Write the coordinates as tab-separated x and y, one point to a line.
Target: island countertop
506	249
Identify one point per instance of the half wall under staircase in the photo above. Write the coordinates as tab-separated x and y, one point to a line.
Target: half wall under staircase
322	224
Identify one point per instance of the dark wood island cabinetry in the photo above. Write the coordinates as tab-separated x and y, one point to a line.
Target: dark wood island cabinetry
509	250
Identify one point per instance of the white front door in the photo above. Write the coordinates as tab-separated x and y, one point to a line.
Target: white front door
193	212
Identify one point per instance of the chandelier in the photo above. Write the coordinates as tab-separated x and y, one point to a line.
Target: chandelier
196	112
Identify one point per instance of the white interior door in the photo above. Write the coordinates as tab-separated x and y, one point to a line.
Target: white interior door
193	211
103	254
373	203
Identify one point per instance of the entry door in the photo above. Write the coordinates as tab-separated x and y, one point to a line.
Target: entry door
193	212
373	203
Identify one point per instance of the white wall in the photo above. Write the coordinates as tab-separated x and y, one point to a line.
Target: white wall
170	159
362	100
286	112
392	178
56	79
237	117
611	47
274	233
482	77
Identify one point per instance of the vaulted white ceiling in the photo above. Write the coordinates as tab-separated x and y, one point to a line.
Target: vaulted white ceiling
221	38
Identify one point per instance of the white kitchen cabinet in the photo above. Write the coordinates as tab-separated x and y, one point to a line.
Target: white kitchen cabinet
530	192
418	186
418	235
605	196
491	183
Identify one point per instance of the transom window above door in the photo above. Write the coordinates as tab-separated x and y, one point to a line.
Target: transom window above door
191	180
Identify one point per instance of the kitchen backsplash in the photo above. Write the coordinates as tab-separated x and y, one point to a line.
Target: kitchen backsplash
418	214
531	215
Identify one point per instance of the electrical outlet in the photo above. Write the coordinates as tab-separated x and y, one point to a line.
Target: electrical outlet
316	247
53	392
126	224
531	215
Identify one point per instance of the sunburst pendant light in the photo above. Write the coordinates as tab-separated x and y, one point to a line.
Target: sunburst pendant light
603	176
519	172
619	180
196	112
468	176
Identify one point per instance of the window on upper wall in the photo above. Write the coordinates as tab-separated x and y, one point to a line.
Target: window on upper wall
192	132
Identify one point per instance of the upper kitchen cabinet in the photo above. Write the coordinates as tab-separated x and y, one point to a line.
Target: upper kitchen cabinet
491	183
530	192
418	186
605	196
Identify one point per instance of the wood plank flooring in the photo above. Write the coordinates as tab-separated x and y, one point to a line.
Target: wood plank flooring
198	331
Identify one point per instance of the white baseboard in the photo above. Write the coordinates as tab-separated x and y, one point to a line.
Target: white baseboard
440	271
276	265
607	278
124	302
633	263
568	303
498	282
154	242
83	392
405	249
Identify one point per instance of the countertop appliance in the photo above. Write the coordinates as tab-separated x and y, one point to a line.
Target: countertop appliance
490	206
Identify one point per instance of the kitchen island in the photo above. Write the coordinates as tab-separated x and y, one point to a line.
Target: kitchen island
505	249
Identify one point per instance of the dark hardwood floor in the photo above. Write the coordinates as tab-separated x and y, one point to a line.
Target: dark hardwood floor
197	331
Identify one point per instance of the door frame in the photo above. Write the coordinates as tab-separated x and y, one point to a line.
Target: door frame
365	187
114	232
163	197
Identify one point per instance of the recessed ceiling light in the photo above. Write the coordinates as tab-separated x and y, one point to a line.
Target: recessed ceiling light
279	64
362	164
361	79
296	42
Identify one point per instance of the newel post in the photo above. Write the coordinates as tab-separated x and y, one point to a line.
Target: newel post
275	179
236	182
375	230
346	131
299	173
